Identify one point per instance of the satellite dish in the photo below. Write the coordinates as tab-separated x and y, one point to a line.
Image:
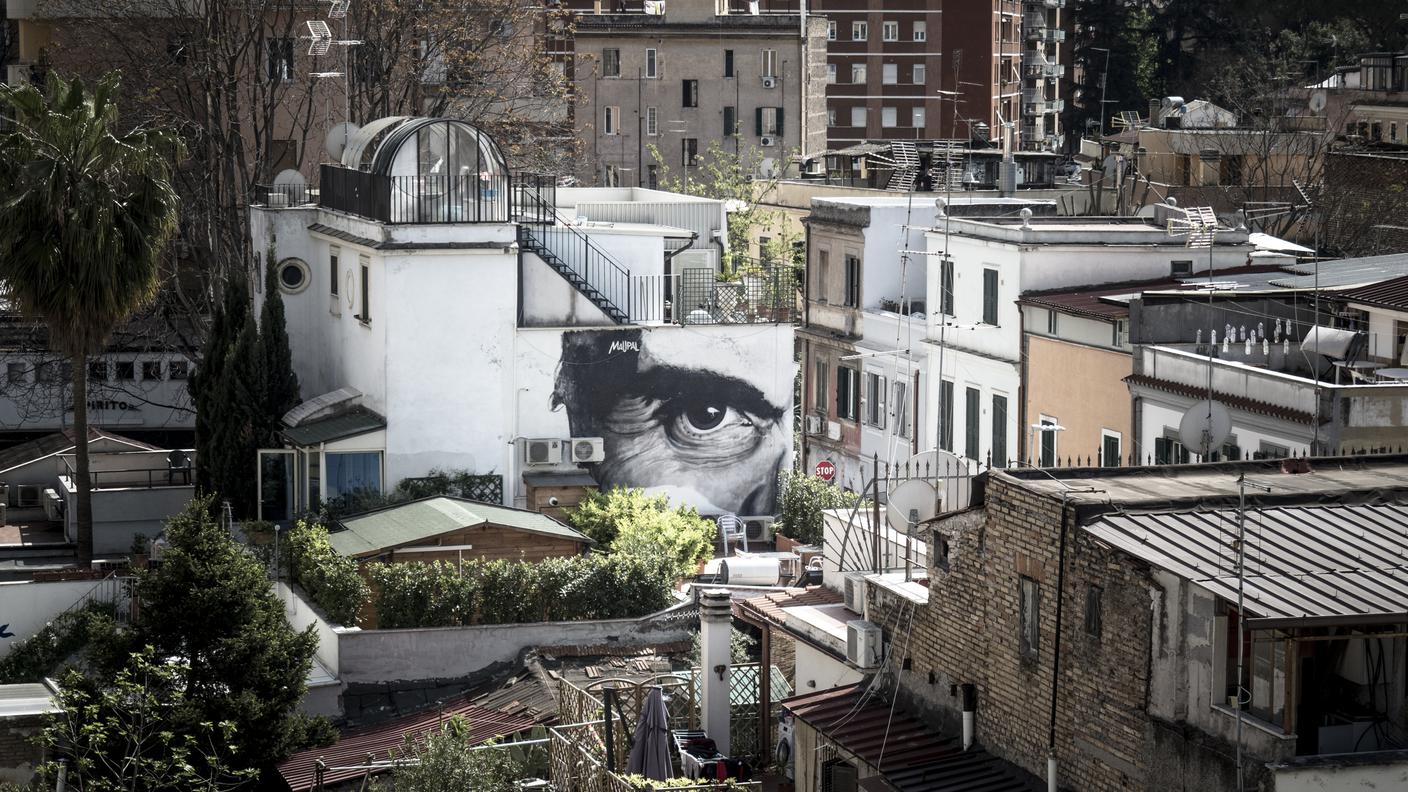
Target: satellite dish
913	495
291	183
335	141
1205	427
1318	100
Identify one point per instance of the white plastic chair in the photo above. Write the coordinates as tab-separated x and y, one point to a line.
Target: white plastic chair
732	529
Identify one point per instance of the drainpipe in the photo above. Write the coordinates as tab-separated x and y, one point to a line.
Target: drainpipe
716	628
970	708
1051	768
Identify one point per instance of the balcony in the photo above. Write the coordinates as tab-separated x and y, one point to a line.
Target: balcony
1042	70
1041	32
697	297
433	198
1046	3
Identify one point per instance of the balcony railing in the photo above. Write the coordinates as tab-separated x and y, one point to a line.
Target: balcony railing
434	198
768	296
1041	32
1040	70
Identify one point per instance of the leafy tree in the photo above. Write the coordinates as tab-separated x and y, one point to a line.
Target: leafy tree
86	214
446	762
280	384
629	522
802	499
39	655
332	580
210	603
120	734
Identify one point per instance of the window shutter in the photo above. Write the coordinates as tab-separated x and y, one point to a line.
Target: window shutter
758	121
779	122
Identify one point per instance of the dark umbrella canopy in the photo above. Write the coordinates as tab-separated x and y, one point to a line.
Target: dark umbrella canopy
650	747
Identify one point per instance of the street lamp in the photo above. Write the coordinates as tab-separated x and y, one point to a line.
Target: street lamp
1040	427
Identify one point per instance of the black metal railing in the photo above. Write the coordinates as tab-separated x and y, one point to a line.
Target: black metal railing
572	253
278	195
435	198
767	296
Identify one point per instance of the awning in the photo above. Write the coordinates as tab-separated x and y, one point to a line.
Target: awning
357	421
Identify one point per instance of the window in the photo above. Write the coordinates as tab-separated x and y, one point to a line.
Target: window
971	414
690	93
1168	450
900	411
1229	451
612	177
875	400
689	151
652	63
15	373
946	415
831	116
280	59
858	117
1047	442
293	275
858	73
860	31
768	63
890	73
946	286
611	63
889	31
999	431
990	296
889	117
652	121
919	74
852	281
941	547
921	31
1272	451
611	125
126	370
847	393
151	369
1109	448
1181	268
831	30
820	386
830	74
1229	171
918	118
1028	615
769	120
1093	597
728	63
349	475
366	314
652	176
1117	333
178	369
730	121
1393	132
823	266
333	254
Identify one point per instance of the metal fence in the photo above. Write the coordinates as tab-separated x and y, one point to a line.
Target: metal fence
761	297
434	198
576	763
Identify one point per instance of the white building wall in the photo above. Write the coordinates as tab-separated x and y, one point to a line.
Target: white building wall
818	670
1161	414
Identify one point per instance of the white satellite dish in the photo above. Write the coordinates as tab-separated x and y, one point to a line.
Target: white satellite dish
1318	100
335	141
914	496
1205	427
291	183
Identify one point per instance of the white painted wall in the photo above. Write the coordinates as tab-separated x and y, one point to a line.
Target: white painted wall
26	607
818	670
1161	412
1347	776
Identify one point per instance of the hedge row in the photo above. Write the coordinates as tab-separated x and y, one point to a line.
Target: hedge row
330	579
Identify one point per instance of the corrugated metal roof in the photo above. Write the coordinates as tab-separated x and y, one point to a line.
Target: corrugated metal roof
356	421
379	741
26	698
1317	561
1344	273
911	756
1388	294
416	521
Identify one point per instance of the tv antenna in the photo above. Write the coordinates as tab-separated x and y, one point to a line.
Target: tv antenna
1207	424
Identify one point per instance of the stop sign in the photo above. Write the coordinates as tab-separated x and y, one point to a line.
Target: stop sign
825	470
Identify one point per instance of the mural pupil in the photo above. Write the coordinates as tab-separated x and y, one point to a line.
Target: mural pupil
704	416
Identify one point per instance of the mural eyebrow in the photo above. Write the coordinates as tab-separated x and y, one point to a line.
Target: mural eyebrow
675	382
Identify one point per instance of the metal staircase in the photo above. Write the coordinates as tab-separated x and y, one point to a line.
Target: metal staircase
592	272
906	166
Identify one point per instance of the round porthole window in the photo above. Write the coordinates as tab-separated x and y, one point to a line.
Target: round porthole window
293	275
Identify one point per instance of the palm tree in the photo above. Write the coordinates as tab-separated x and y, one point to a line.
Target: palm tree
84	217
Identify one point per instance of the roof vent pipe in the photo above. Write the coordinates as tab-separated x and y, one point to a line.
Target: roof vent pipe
1051	772
970	707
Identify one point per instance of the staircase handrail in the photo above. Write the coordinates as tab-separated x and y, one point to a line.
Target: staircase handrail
590	251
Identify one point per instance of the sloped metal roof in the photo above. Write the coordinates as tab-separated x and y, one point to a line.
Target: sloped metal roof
357	421
1387	294
1342	273
419	520
1332	562
911	756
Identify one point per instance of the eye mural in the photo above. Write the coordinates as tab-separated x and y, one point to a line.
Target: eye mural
708	424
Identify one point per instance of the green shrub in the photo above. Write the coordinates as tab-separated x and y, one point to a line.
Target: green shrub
40	654
329	578
629	522
802	499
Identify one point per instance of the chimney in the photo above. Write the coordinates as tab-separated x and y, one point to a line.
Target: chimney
716	627
970	709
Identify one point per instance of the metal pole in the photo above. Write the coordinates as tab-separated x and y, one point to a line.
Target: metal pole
1241	615
875	513
607	693
1104	77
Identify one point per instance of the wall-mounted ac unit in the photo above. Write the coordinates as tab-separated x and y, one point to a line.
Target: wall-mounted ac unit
769	141
759	528
537	453
814	424
53	506
27	496
833	430
864	643
854	591
769	81
587	449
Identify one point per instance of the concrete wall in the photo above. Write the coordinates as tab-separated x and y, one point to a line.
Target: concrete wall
1083	388
26	607
451	652
119	515
818	670
1345	773
133	405
302	614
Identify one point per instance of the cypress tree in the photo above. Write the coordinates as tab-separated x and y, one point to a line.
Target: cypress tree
239	422
280	392
206	381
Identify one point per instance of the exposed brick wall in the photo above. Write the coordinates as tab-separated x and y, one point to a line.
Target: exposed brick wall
784	654
19	754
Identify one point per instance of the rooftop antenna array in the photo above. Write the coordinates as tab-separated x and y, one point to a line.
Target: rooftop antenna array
320	43
1207	424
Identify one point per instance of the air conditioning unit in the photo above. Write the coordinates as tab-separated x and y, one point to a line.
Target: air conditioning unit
537	453
769	82
27	496
53	506
864	644
854	591
759	528
814	424
833	430
769	140
587	449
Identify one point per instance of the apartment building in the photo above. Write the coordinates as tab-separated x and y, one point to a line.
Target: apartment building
1043	101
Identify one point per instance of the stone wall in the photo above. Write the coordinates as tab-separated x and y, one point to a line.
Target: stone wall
19	755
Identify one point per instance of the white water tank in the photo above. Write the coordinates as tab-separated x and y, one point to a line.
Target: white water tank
745	571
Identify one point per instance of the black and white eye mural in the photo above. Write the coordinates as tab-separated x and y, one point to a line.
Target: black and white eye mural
705	419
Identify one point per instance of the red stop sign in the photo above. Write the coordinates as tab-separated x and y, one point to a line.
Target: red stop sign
825	470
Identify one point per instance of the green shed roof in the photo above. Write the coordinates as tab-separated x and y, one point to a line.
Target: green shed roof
349	424
416	521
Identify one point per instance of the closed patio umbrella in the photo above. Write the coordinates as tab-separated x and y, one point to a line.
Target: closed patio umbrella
650	747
